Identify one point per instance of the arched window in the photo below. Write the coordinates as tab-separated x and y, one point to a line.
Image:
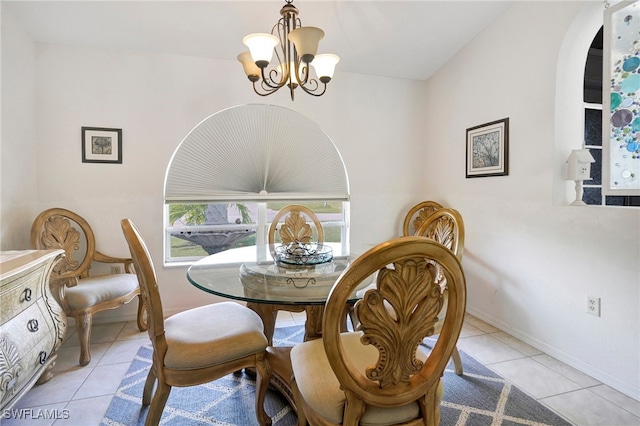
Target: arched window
236	168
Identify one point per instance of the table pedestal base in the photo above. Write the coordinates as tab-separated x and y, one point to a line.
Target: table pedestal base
278	357
269	314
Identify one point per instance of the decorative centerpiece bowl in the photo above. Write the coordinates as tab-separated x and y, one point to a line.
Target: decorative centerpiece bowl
298	253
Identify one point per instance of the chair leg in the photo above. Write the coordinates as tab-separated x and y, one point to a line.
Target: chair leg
430	406
457	361
83	324
302	419
157	404
263	377
354	409
148	387
142	314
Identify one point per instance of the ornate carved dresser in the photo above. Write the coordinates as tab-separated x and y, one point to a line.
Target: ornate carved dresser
33	324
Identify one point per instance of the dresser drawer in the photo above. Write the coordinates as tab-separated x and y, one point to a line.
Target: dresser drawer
26	342
22	366
28	328
19	295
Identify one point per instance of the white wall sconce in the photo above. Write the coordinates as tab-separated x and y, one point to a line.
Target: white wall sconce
579	170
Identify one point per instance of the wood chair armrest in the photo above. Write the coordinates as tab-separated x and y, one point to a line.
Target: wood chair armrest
58	285
63	280
103	258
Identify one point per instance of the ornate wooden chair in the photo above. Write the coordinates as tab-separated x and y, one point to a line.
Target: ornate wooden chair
379	374
198	345
446	227
291	224
79	294
416	215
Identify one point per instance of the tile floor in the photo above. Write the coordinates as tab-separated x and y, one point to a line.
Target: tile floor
83	393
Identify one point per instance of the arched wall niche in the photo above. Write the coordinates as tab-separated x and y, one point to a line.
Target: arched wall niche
569	111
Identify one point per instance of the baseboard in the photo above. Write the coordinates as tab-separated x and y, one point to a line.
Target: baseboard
602	376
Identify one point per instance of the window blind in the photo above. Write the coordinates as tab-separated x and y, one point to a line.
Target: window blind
255	152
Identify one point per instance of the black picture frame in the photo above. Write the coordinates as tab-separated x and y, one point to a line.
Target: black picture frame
101	145
487	148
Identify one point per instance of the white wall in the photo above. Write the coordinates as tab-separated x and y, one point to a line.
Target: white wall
157	99
530	264
18	172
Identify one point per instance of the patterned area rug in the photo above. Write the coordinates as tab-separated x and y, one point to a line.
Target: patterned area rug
479	397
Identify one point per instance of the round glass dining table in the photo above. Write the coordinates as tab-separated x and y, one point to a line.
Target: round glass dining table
269	287
268	282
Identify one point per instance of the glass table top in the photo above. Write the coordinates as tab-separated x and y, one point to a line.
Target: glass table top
266	281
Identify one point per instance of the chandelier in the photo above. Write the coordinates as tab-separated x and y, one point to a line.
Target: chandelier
295	49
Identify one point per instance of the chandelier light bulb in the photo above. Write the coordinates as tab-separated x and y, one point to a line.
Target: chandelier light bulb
261	46
325	65
306	40
250	68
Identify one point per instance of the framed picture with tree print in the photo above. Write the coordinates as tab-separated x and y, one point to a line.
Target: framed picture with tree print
101	145
488	149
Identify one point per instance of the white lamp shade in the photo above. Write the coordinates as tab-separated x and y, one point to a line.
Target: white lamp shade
306	41
579	165
261	46
325	65
250	67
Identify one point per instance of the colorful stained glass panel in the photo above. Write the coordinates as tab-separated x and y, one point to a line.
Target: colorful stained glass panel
622	81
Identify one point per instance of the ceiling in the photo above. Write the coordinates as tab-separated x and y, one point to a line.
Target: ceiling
404	39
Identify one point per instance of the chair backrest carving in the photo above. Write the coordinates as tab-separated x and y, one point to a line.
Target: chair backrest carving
292	224
395	317
446	227
63	229
416	216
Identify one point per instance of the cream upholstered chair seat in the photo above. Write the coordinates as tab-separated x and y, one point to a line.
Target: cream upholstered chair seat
320	387
103	289
210	335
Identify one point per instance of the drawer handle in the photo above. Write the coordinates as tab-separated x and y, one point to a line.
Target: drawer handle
32	325
43	357
27	295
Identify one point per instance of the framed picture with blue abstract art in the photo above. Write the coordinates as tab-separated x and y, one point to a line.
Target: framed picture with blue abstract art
488	149
101	145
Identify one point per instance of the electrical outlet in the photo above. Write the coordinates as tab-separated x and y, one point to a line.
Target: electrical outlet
116	269
593	305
